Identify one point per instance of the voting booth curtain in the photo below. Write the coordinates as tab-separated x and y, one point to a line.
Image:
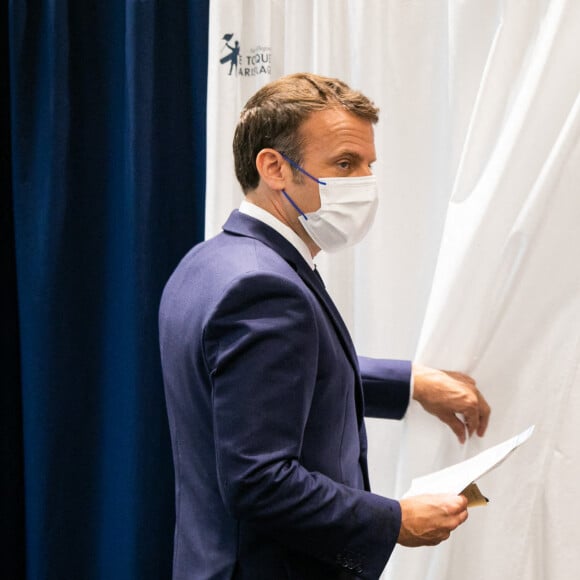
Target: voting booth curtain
102	193
472	261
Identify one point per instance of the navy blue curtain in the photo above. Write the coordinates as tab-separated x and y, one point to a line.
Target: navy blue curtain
102	193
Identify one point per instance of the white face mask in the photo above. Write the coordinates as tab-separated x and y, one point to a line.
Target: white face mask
348	206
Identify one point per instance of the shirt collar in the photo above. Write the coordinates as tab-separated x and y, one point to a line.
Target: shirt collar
266	217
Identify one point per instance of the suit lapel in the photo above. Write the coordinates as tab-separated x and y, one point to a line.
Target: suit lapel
315	283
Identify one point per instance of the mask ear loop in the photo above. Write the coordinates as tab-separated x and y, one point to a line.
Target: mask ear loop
301	169
295	206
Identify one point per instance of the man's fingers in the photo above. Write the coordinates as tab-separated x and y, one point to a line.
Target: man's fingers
476	413
483	416
471	420
456	425
482	427
478	418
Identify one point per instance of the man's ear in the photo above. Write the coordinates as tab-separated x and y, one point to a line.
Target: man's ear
273	170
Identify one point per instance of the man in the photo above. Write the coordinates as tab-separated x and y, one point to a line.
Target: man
266	396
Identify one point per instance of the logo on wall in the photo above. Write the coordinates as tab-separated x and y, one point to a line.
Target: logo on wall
254	63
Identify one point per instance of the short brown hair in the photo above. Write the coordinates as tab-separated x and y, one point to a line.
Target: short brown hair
274	115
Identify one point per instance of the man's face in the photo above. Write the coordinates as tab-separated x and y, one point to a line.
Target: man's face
337	144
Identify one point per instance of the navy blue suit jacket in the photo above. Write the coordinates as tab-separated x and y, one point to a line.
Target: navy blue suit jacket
266	400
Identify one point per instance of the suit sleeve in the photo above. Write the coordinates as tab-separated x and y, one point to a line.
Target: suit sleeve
387	387
261	354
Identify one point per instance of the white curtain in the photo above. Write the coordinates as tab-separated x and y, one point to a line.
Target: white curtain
472	263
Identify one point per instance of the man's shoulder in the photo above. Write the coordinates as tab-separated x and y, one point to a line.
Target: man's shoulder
229	256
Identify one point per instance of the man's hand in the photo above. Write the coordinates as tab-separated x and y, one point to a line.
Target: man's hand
427	520
452	397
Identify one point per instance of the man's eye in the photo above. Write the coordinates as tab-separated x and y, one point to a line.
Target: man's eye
344	164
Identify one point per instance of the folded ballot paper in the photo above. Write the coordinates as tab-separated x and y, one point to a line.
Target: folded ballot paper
461	477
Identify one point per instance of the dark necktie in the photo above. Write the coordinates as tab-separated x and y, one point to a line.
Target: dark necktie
317	273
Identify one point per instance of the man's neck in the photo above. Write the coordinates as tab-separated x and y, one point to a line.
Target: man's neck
266	217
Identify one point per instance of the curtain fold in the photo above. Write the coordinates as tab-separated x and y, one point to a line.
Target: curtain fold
505	304
108	156
12	553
